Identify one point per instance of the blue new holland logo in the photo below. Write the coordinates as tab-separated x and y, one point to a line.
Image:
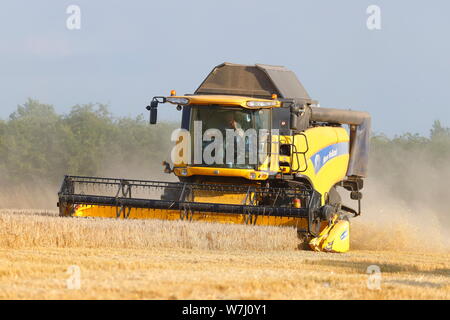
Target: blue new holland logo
344	234
326	154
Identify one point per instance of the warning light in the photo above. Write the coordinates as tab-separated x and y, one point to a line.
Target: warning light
296	203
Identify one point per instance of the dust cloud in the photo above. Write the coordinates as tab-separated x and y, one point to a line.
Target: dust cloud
405	207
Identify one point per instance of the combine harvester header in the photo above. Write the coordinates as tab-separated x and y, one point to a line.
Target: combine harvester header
253	148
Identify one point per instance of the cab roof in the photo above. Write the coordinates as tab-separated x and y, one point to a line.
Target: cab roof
258	81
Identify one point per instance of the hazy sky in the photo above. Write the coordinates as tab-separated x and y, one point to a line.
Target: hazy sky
128	51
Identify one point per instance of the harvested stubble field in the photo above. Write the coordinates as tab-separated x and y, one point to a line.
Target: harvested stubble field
181	260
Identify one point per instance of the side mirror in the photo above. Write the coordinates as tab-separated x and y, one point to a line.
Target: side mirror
153	108
153	115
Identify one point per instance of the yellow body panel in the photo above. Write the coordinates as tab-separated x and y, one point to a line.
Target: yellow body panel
330	141
139	213
221	172
225	100
333	238
219	197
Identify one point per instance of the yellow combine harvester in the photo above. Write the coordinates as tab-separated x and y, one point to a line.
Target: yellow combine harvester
280	164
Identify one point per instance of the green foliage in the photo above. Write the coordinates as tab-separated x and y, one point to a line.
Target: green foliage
37	144
434	149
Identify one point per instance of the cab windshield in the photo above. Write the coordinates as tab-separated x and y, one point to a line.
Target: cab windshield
223	118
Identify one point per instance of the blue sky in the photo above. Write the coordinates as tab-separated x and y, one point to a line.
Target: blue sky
128	51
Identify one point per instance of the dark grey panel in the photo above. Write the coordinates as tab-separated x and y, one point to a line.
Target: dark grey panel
258	80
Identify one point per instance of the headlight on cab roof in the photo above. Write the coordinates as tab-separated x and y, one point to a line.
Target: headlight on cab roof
261	104
176	100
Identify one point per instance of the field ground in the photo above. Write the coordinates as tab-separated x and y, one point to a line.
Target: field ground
179	260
